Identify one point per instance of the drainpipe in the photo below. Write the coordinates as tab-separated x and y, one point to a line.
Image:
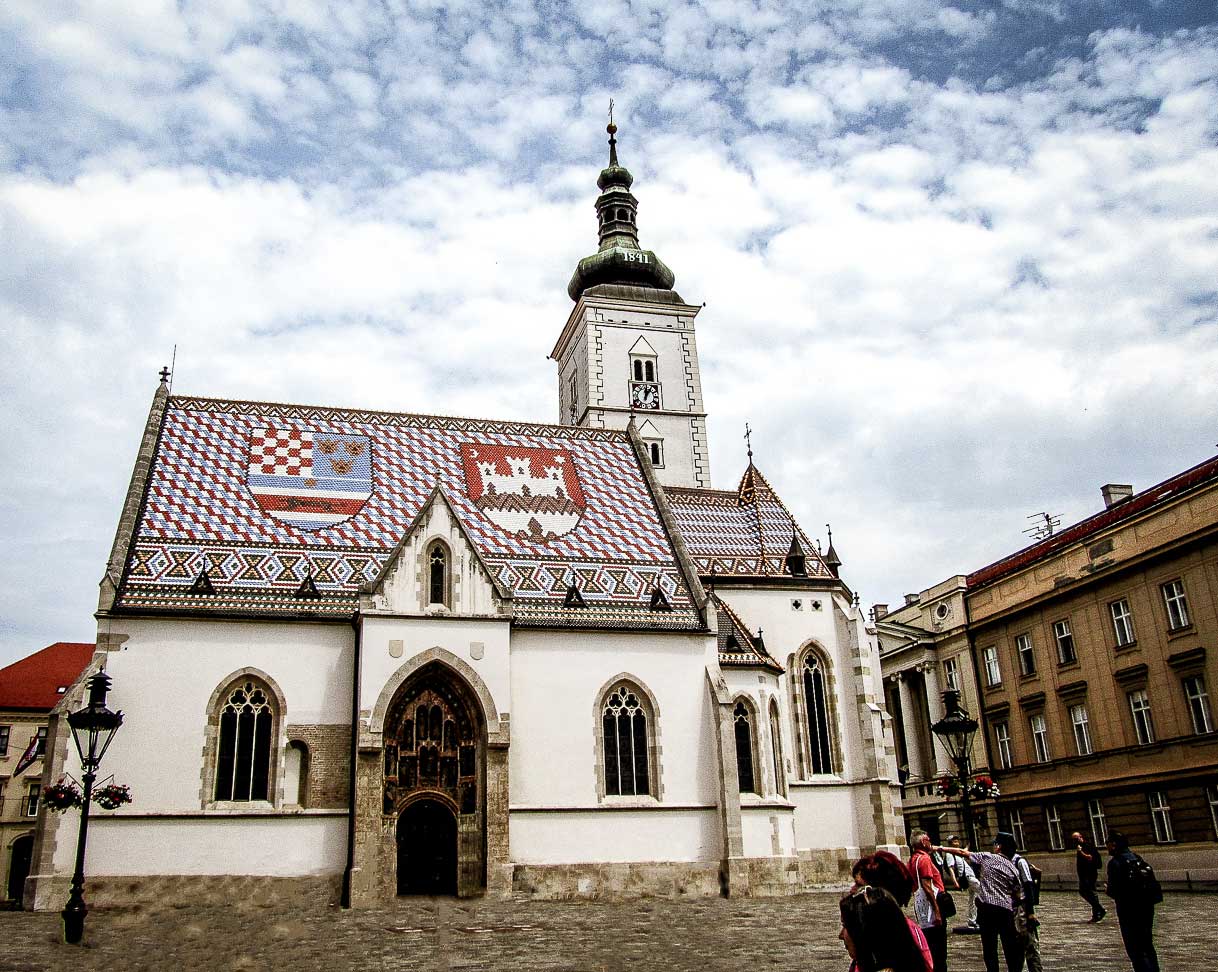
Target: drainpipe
345	900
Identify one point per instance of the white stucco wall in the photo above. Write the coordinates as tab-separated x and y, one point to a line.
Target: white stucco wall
614	836
164	676
308	843
826	815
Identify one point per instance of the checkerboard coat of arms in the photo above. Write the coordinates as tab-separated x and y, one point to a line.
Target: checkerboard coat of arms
309	479
532	493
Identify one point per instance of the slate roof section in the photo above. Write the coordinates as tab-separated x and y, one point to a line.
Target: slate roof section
1166	491
263	495
33	683
743	533
738	646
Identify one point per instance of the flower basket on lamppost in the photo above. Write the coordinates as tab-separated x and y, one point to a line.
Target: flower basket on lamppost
93	728
955	732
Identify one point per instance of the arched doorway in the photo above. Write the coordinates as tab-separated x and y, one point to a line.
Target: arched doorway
19	865
434	783
427	848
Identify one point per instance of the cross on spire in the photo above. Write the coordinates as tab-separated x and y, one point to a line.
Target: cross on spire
748	437
165	376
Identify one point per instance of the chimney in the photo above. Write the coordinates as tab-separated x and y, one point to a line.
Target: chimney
1115	493
912	599
881	611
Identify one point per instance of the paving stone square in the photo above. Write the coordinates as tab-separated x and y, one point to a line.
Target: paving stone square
702	935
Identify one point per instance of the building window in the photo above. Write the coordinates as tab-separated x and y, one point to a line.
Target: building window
744	749
437	574
1198	705
951	674
816	700
1139	707
1082	731
625	736
1177	605
1023	649
1099	824
656	453
1015	826
1002	737
243	759
993	674
780	777
30	805
1211	797
1160	816
572	400
41	737
1065	642
1122	622
5	731
1053	821
1040	737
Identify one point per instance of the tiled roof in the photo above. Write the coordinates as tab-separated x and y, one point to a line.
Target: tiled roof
741	533
34	681
739	647
1165	491
264	496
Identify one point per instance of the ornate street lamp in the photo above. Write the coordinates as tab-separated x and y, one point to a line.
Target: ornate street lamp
955	731
93	727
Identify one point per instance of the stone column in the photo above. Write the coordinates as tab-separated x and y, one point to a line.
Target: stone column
909	727
934	709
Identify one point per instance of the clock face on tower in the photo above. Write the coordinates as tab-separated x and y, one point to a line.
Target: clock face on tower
644	394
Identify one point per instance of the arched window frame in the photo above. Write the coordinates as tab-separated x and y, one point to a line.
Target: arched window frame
440	548
212	745
777	756
802	713
651	712
745	704
302	789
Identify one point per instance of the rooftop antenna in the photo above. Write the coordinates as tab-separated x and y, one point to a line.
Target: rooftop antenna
1045	526
172	363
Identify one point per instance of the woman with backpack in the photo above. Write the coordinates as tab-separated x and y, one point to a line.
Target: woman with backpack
1135	889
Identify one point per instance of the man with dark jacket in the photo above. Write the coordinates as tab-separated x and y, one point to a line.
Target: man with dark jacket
1135	902
1087	865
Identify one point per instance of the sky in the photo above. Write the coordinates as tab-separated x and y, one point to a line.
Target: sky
959	261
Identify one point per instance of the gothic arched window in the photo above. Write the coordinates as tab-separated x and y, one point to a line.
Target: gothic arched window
780	776
744	748
246	732
816	711
638	370
657	454
626	742
437	574
649	371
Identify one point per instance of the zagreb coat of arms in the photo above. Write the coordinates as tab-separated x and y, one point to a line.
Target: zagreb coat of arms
532	493
309	479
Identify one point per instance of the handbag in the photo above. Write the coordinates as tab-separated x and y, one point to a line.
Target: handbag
947	907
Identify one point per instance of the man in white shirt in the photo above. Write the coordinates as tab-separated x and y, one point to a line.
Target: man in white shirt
965	880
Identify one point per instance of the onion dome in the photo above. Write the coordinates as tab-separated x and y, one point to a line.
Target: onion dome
619	260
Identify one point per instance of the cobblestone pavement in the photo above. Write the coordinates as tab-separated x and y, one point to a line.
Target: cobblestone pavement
706	935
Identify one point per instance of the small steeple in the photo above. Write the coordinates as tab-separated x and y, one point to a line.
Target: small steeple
619	258
797	561
832	560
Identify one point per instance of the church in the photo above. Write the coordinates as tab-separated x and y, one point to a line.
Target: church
392	654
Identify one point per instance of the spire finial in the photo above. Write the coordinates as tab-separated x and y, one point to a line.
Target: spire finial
830	529
748	437
612	130
165	376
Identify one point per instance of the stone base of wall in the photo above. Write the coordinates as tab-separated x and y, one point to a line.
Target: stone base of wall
600	882
191	889
774	877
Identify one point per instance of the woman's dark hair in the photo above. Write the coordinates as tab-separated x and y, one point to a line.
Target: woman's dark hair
880	932
1118	840
887	871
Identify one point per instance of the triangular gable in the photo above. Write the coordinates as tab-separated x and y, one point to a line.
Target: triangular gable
738	646
649	431
642	348
409	548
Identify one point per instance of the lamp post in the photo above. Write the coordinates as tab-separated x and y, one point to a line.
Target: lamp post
955	731
93	727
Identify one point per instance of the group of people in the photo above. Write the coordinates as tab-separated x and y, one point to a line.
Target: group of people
1001	890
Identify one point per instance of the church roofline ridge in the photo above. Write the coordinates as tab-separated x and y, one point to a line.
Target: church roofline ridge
202	402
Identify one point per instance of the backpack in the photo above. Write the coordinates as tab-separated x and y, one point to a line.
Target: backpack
1141	883
1037	874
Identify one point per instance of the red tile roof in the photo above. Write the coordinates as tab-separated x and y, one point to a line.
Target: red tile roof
1165	491
34	681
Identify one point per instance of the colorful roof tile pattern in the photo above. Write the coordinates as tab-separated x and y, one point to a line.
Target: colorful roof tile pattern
262	497
741	533
739	647
34	682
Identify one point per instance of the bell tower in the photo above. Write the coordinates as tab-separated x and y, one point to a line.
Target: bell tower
628	349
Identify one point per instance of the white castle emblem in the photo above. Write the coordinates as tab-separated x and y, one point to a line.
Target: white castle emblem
538	498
